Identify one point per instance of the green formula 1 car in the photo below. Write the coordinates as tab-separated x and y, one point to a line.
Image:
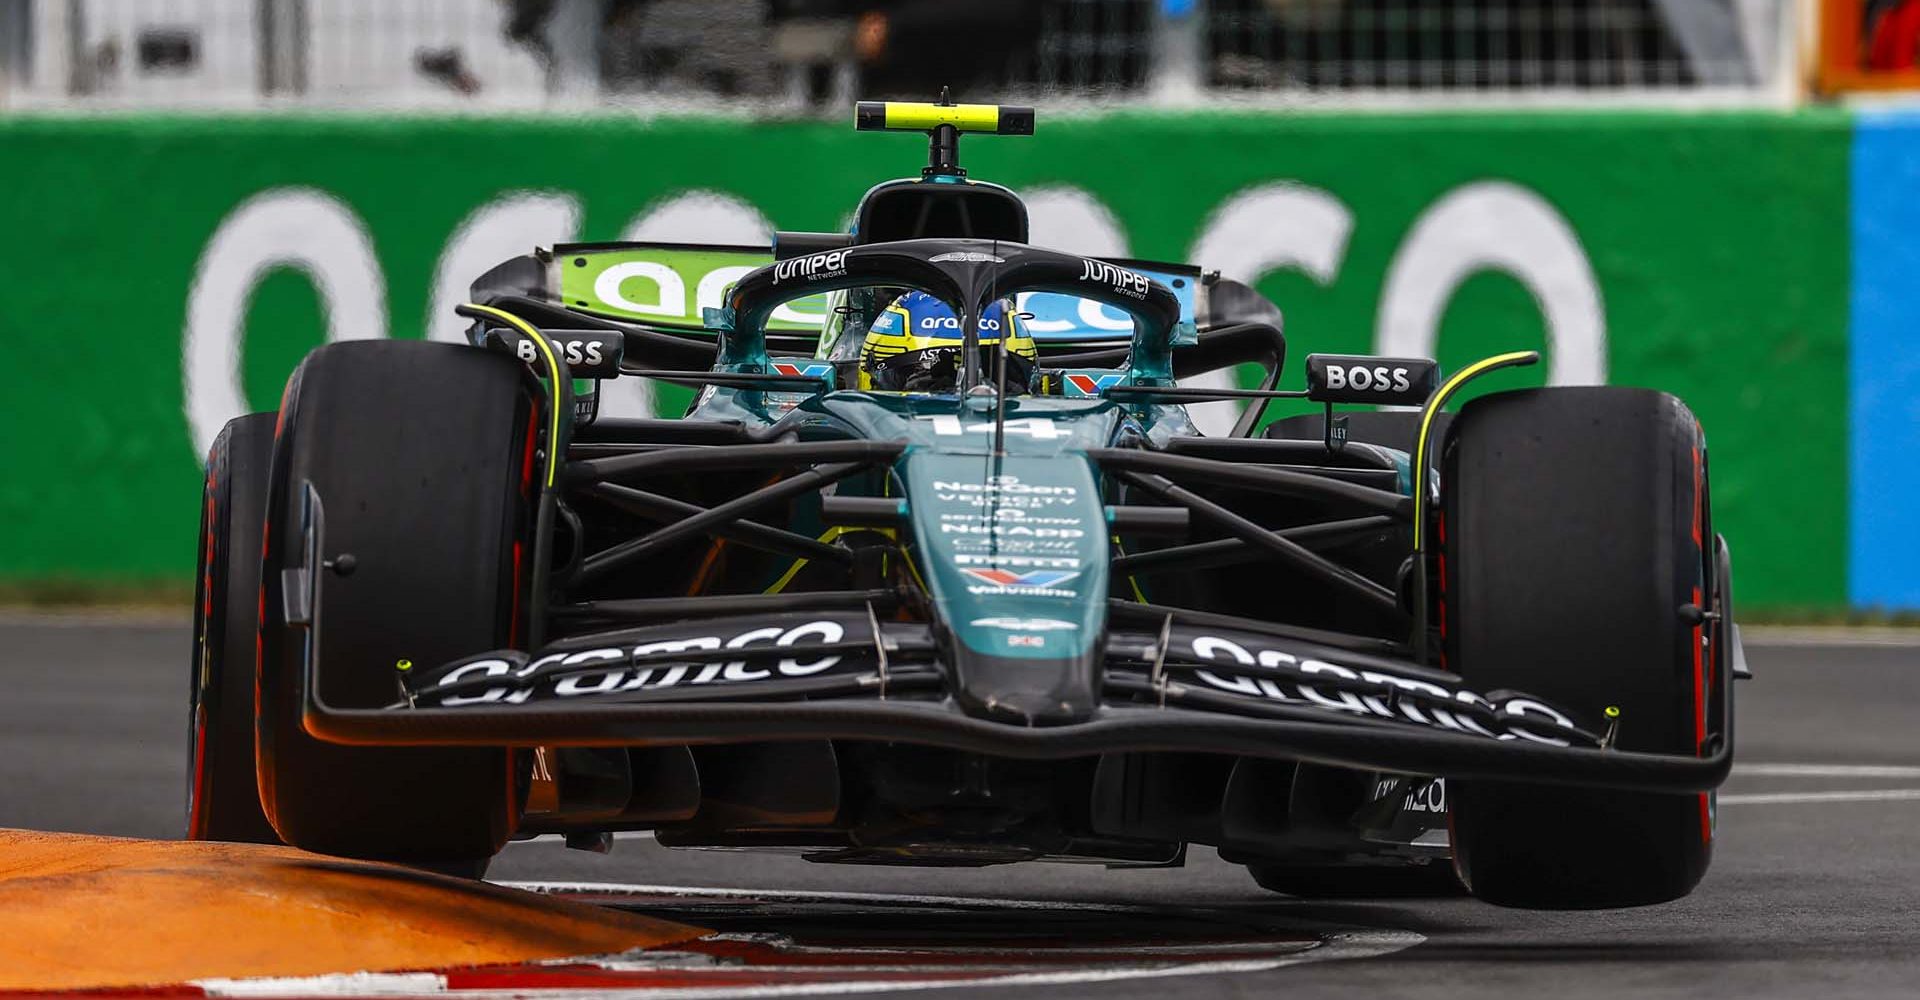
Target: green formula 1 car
936	569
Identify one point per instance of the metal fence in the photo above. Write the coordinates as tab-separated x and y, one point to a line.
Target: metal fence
799	54
1480	45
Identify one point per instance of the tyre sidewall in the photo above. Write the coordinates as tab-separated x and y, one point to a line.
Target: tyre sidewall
223	801
1550	601
373	424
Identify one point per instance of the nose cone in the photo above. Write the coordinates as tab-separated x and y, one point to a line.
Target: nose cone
1027	692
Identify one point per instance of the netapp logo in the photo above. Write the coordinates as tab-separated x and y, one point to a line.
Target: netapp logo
969	257
1122	280
812	267
1379	378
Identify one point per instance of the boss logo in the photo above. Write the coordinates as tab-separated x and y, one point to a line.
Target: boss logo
1338	378
587	354
576	352
1362	378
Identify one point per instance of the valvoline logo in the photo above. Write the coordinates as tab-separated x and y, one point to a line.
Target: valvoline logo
818	369
1082	384
1031	578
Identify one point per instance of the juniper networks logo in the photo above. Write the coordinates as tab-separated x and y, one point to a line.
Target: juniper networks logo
820	265
1128	283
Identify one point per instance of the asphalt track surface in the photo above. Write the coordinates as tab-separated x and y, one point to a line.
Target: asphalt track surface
1815	887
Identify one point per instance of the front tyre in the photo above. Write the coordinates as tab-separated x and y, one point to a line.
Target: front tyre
422	454
1575	557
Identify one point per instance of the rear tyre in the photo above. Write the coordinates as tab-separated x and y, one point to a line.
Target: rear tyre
1573	536
223	800
422	456
1434	880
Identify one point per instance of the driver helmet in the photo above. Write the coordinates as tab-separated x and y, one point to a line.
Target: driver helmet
914	345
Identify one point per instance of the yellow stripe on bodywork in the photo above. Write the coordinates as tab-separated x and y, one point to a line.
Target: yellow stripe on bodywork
1432	409
1139	596
800	564
553	375
968	117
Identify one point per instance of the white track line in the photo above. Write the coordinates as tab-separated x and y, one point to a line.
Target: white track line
1331	946
130	617
1803	636
692	892
558	840
1763	770
1361	944
1797	798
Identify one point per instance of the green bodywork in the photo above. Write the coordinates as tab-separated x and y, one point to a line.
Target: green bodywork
1039	507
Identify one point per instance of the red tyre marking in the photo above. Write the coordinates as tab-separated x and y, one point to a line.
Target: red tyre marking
513	625
197	814
512	802
1699	667
262	776
197	808
526	483
526	459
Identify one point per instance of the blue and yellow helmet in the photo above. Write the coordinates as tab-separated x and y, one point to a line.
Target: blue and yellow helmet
915	345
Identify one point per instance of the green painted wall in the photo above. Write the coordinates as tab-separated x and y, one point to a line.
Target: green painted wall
1718	244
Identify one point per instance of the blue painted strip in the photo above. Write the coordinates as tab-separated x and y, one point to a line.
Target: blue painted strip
1883	568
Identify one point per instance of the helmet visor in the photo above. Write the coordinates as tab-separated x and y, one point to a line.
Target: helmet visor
937	369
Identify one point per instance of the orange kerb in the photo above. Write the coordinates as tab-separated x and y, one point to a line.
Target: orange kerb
80	911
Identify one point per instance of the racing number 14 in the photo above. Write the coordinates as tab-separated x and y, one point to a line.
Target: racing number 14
1039	428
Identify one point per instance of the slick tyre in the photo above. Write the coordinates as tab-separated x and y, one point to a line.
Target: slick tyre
422	456
1426	881
1575	548
223	800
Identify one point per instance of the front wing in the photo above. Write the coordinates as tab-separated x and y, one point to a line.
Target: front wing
836	671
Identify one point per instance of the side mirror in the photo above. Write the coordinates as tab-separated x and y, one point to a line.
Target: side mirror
1359	378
